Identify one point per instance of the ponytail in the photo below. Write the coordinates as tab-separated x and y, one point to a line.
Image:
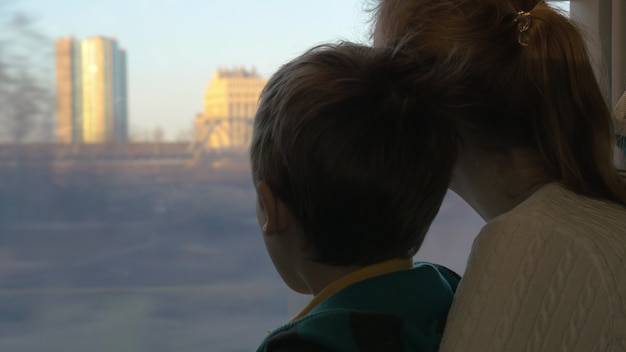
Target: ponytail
520	76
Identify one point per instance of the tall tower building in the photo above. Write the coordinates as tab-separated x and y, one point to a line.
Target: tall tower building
91	91
230	103
66	86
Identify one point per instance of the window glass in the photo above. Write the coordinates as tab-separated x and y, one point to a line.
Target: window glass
126	209
560	4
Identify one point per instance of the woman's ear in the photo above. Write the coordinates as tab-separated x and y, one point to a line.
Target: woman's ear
277	215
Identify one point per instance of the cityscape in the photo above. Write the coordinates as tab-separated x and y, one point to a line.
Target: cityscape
92	99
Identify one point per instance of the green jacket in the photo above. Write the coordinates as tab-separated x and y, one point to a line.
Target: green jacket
402	311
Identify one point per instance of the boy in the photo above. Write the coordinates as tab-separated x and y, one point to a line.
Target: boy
350	166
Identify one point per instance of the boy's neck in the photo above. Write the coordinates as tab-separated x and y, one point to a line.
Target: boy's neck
319	276
330	279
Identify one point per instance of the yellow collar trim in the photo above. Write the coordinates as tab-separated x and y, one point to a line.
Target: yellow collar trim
364	273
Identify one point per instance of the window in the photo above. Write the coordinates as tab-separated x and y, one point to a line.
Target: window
150	244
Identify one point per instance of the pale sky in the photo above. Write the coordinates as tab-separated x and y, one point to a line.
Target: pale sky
173	46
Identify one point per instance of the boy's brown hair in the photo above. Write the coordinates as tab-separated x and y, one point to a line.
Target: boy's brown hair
345	136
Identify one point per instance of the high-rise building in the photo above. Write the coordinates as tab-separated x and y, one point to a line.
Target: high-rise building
230	103
91	91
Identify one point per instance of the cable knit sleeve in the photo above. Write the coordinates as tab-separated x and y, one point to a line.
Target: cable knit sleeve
528	288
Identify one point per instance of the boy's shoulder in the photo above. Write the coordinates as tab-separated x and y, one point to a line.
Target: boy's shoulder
401	311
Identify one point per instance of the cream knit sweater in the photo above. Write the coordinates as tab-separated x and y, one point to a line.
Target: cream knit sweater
550	275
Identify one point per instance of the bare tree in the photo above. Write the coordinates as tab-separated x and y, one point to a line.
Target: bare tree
26	99
24	107
158	135
26	113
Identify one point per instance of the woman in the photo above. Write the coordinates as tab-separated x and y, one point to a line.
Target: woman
548	270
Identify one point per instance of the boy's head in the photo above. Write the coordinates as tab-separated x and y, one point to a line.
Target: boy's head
346	138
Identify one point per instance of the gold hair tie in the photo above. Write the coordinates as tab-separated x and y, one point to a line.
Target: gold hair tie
523	23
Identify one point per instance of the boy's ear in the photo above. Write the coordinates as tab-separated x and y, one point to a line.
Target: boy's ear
277	215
